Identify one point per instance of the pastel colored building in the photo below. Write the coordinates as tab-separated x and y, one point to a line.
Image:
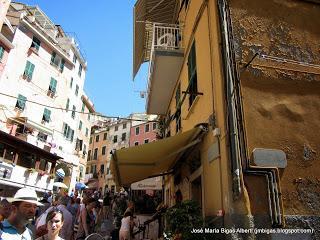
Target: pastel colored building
143	133
42	87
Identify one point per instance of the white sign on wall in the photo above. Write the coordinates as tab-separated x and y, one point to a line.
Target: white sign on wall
148	184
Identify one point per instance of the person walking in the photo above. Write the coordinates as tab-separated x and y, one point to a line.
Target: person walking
54	223
106	205
127	225
87	221
24	205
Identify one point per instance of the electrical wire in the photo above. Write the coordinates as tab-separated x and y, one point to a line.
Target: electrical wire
89	113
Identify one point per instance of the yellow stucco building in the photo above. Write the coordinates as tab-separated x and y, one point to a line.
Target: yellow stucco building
222	76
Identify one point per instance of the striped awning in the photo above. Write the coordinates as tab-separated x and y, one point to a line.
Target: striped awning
147	12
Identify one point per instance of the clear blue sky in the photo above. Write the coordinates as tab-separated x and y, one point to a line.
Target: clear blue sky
104	29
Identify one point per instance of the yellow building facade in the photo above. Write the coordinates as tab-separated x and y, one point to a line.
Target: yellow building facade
249	79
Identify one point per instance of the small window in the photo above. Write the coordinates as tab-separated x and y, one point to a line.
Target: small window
115	139
87	132
124	126
136	143
1	52
35	44
104	150
46	115
68	104
102	168
105	136
84	149
71	82
146	140
73	113
21	102
90	140
154	126
80	125
42	137
147	127
192	74
137	130
80	70
116	128
95	155
97	138
61	65
53	58
89	155
53	86
77	90
74	58
89	116
28	71
83	107
123	137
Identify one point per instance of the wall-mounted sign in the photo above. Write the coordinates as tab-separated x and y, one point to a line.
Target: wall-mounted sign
213	152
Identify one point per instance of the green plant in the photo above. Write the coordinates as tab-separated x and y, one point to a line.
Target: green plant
181	219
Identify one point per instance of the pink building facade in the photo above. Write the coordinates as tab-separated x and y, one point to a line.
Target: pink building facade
143	133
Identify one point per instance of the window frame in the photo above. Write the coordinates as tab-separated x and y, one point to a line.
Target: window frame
137	131
46	117
21	102
192	74
28	70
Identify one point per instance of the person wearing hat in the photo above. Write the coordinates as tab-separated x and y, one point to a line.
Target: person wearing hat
24	205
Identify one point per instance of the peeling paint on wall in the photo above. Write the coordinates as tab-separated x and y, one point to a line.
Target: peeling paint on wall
281	90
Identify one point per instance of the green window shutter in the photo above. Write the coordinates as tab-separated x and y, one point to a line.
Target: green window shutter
80	125
1	52
77	90
28	71
61	67
71	135
71	82
80	70
46	115
82	109
21	102
87	132
73	113
68	103
53	85
53	56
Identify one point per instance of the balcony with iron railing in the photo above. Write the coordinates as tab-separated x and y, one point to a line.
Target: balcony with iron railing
166	58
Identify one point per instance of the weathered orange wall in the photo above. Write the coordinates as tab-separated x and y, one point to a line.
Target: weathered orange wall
282	100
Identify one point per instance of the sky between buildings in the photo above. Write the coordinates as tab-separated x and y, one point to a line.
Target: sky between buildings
105	31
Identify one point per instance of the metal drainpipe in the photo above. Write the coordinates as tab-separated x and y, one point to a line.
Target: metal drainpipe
232	115
235	122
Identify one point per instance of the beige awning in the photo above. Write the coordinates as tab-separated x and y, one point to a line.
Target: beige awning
133	164
145	13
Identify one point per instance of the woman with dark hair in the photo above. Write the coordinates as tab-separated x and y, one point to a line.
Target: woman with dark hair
54	221
86	220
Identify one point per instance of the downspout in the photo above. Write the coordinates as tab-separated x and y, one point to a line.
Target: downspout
238	148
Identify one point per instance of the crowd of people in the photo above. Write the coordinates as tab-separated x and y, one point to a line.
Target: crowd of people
61	216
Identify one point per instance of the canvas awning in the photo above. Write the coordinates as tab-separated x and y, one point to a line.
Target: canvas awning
133	164
145	13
